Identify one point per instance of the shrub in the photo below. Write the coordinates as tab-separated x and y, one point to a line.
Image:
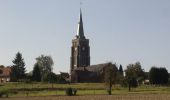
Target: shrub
109	91
69	92
53	78
133	83
158	75
4	92
74	91
124	82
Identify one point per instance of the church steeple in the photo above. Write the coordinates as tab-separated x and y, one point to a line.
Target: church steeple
80	30
80	49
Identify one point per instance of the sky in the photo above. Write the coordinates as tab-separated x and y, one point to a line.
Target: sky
120	31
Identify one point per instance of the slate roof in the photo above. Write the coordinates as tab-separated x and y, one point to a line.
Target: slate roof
93	68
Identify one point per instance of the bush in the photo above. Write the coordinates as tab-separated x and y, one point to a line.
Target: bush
74	91
4	92
133	82
158	76
124	82
53	78
109	91
69	92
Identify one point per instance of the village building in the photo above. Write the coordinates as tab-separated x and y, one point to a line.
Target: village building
80	68
5	74
93	73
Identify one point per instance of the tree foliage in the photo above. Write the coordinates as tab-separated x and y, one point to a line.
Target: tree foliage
36	74
135	71
53	78
134	74
2	66
133	82
110	77
158	75
121	70
45	64
18	69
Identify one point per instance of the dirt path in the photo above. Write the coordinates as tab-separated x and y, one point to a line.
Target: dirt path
99	97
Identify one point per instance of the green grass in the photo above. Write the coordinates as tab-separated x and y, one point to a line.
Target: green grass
25	89
59	86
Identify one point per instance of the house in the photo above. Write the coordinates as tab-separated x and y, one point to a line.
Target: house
5	74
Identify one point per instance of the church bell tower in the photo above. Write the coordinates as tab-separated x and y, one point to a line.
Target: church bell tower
80	50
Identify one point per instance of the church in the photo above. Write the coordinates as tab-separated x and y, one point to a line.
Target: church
80	68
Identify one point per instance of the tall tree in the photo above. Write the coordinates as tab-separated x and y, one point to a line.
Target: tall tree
36	74
120	75
110	75
158	75
121	70
134	73
45	63
18	69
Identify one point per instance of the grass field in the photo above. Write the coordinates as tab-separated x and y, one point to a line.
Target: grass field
84	89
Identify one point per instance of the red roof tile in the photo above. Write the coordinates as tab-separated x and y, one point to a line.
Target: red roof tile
5	72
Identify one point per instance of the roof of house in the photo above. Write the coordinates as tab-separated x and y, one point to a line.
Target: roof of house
5	72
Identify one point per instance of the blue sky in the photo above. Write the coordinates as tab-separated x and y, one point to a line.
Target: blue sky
121	31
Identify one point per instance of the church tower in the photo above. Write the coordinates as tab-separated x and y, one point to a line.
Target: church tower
80	50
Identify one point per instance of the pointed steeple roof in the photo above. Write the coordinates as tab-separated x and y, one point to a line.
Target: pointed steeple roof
80	30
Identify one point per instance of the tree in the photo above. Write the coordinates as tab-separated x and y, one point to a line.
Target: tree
158	75
164	75
53	78
121	70
45	63
36	74
18	69
134	72
2	66
110	77
121	78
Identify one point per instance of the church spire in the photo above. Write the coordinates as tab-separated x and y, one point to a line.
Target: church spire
80	30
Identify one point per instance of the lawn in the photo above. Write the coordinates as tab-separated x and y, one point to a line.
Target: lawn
45	89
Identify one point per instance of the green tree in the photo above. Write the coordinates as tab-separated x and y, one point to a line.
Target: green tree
18	69
45	63
121	70
121	78
110	76
134	72
164	75
158	75
2	66
53	78
36	74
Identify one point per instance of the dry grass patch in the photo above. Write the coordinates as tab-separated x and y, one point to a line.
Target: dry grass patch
99	97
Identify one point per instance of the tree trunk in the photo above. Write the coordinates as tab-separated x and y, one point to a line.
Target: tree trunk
129	87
